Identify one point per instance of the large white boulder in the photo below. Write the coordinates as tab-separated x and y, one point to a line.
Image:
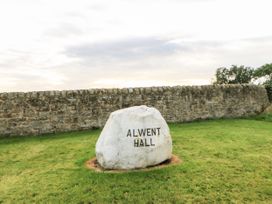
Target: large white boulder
134	137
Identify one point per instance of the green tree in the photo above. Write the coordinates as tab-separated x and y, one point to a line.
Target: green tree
265	72
234	75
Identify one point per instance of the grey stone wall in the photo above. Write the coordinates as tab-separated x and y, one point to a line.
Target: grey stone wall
34	113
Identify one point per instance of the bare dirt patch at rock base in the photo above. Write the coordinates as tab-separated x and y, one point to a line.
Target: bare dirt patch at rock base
94	165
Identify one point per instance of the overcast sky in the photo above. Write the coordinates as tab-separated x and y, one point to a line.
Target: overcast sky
81	44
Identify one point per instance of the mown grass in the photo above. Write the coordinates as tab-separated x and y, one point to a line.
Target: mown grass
224	161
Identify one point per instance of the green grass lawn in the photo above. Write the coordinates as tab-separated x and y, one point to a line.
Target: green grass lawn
224	161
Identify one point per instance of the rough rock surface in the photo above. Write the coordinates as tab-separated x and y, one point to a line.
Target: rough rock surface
134	137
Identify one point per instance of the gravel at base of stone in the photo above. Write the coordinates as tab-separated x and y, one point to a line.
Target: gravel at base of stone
94	165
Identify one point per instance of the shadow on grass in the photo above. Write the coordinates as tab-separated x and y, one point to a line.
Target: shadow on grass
49	136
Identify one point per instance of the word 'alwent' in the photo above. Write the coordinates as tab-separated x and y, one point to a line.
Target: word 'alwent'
143	132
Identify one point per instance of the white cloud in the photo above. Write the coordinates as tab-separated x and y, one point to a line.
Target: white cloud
83	44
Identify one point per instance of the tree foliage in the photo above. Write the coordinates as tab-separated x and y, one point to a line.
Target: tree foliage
243	75
265	71
234	75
